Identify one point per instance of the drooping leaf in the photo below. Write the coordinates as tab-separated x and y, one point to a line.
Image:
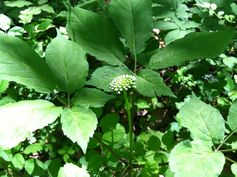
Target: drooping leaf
68	62
232	117
96	34
197	45
149	83
19	63
71	170
134	20
19	120
102	76
79	124
202	120
197	159
91	97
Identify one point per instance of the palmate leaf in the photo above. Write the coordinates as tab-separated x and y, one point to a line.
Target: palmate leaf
197	159
197	45
202	120
96	34
79	124
133	19
19	63
149	83
68	62
71	170
19	120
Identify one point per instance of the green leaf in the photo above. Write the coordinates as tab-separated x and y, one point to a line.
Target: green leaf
19	63
109	121
71	170
19	120
18	161
97	35
149	83
234	169
154	143
202	120
29	166
175	35
68	62
5	22
133	18
118	136
17	3
79	124
197	159
232	117
3	86
33	148
6	100
102	76
91	97
207	44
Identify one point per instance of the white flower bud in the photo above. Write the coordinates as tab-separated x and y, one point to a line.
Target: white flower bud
123	83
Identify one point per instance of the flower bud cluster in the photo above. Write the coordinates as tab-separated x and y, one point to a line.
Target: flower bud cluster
123	83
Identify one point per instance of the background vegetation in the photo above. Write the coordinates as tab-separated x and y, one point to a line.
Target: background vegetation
59	116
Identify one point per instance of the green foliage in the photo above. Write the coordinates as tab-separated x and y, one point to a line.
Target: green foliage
24	65
79	124
203	121
194	46
204	162
137	13
118	88
33	115
101	41
68	62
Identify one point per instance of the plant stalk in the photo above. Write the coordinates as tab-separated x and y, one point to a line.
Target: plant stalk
128	107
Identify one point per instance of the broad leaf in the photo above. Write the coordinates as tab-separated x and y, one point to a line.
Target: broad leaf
197	159
79	124
18	161
19	63
71	170
232	117
134	20
96	34
149	83
197	45
17	3
202	120
91	97
68	62
19	120
102	76
234	169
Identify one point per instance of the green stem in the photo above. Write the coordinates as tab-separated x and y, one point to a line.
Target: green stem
130	125
135	63
230	160
68	100
228	150
228	137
